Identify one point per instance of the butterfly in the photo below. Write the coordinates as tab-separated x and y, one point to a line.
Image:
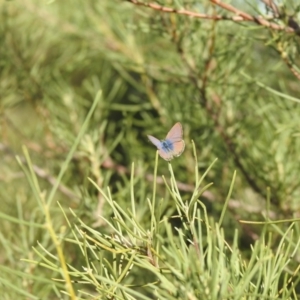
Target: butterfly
173	145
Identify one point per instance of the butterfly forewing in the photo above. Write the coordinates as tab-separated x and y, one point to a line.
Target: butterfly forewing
175	134
155	141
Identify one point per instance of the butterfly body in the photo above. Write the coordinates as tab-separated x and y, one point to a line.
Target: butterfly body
173	145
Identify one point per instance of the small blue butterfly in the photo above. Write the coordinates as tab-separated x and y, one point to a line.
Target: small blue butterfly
173	145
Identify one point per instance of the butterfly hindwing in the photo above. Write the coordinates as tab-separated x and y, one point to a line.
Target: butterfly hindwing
178	148
166	155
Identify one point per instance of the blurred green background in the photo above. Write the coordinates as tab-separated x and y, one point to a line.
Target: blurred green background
229	84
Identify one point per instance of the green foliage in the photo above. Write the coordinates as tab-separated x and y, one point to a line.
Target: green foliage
87	211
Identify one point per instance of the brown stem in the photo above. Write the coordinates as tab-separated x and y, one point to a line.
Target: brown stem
240	16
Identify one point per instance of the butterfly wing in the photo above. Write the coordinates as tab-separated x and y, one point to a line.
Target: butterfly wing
166	155
176	132
155	141
178	148
166	151
163	146
175	137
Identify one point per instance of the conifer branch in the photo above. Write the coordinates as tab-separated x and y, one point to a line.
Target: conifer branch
239	16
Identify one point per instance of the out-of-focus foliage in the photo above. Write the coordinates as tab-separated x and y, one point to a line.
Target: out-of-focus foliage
233	84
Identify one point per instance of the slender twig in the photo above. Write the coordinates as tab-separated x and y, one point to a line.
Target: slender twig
43	174
239	16
272	6
290	66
